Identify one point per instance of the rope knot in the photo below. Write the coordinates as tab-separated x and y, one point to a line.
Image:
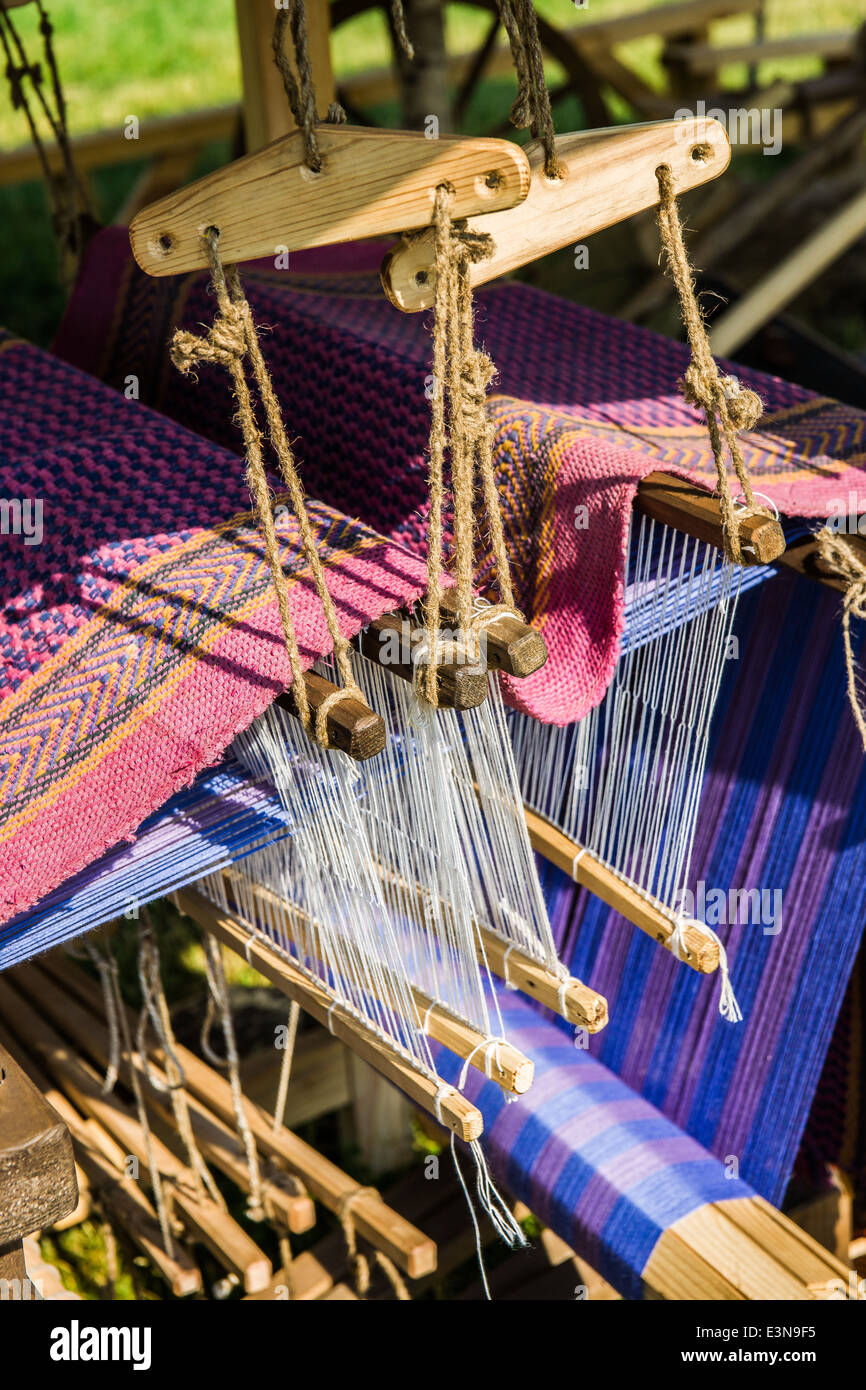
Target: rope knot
745	406
699	387
476	246
476	375
225	343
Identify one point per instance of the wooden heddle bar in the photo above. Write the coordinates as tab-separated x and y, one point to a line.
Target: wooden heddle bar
504	1064
569	997
451	1109
700	951
697	512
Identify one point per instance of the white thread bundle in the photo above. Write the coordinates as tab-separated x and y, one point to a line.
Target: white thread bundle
625	782
390	866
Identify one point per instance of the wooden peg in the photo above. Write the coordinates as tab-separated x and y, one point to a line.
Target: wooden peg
509	645
352	726
609	175
680	504
389	641
373	182
700	951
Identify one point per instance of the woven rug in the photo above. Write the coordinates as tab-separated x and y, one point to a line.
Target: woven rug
584	407
138	634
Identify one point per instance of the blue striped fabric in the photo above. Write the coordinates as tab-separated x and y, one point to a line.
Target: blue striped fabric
593	1160
784	809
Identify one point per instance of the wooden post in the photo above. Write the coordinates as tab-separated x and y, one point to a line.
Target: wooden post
266	107
37	1172
380	1115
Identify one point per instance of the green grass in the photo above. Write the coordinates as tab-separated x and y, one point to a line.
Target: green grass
148	59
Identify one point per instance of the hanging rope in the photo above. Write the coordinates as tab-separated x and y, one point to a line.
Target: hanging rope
292	1021
401	33
842	559
156	1184
358	1262
219	993
155	1011
459	425
728	407
532	107
232	339
71	212
301	90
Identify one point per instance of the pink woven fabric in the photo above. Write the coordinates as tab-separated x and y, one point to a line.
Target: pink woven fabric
584	407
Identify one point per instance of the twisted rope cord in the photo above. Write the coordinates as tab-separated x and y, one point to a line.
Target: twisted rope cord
462	374
301	90
722	399
231	339
292	1021
67	194
841	557
156	1184
401	33
155	1009
532	106
358	1262
219	992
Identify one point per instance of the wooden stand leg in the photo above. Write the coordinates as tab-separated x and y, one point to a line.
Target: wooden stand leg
380	1114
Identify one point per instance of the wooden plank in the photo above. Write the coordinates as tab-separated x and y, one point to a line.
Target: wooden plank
697	512
326	1183
707	57
373	182
457	1113
156	137
610	175
700	951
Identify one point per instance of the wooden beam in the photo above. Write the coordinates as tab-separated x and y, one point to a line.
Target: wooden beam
610	175
162	136
696	511
708	57
457	1113
798	270
702	953
372	182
